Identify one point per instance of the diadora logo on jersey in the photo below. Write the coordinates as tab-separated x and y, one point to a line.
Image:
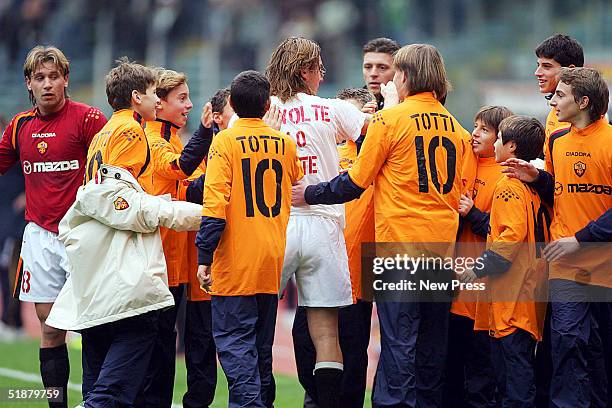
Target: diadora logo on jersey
43	135
577	154
121	204
42	147
49	167
579	168
589	188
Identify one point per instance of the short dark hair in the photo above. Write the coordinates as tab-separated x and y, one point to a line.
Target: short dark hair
563	49
249	93
526	132
219	100
382	44
493	115
123	79
361	95
587	82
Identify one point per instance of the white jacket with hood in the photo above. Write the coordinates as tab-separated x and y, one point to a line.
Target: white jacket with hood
117	264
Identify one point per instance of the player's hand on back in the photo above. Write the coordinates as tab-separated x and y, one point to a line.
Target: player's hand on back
273	117
370	107
389	93
465	205
520	169
297	194
207	115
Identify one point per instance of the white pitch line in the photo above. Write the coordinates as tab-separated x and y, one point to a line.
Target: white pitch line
35	378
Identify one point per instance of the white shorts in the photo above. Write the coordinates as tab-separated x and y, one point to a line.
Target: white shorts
316	254
44	265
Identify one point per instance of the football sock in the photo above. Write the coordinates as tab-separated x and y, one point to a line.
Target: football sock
328	379
54	370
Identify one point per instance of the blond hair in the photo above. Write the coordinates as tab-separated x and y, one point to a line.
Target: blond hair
167	80
40	55
424	69
285	66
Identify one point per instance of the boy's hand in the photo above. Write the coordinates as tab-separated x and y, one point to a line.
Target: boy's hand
389	92
204	277
370	107
560	247
207	115
465	205
520	169
467	276
273	117
297	194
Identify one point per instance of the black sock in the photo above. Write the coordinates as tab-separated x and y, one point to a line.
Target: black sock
328	378
54	370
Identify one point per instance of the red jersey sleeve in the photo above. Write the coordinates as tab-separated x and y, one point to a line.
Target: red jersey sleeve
8	153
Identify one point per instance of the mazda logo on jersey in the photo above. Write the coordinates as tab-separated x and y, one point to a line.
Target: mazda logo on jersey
579	168
42	147
558	188
27	167
49	167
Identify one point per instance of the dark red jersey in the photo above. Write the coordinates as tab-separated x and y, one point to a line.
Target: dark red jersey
52	151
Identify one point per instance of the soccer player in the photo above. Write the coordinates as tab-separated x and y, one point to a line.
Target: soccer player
316	252
469	375
378	66
50	140
222	109
516	270
578	183
130	89
553	53
176	172
413	154
354	320
251	168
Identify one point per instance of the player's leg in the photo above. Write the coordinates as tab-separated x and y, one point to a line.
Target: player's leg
517	352
543	364
305	353
267	306
96	342
395	381
53	355
571	325
126	362
323	283
44	270
200	355
431	346
480	383
354	326
159	382
602	312
234	321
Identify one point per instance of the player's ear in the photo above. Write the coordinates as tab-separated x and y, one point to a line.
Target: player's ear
217	117
267	107
571	66
583	103
512	146
136	97
28	83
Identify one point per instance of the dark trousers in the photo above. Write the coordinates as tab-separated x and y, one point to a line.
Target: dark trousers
470	379
513	358
543	365
410	369
354	331
116	358
581	345
243	329
159	381
11	308
200	355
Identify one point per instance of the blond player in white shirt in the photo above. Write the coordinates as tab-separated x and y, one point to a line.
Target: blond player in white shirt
315	251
